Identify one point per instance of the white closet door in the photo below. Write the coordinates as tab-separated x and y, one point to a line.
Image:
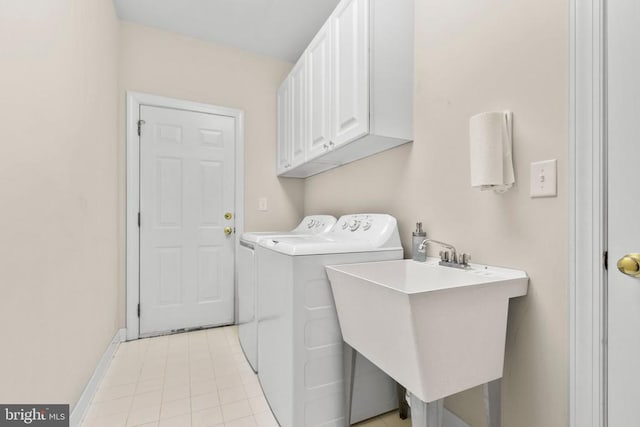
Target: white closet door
623	141
186	187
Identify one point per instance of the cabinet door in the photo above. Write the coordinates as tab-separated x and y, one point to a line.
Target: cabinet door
284	128
350	76
318	62
298	117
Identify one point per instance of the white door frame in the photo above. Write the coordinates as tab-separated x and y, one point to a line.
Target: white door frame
134	100
587	214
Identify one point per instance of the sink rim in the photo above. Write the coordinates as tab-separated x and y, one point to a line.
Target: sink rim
485	275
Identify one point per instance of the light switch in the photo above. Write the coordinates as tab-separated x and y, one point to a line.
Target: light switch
262	204
543	178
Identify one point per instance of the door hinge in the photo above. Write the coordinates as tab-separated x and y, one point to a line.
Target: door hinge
605	259
138	219
140	123
138	309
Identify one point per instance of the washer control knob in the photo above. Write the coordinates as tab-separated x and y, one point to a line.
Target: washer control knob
354	224
366	225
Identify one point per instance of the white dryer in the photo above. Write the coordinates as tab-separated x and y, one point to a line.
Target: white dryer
248	327
300	351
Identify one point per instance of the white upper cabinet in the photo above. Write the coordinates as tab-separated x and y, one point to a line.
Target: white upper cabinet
283	158
350	71
298	113
318	64
292	120
351	93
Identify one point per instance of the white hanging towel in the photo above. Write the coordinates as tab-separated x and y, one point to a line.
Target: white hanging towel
491	142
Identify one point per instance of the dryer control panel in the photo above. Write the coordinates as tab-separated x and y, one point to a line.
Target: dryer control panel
377	228
315	224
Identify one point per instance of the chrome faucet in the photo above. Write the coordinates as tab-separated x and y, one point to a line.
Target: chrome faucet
449	257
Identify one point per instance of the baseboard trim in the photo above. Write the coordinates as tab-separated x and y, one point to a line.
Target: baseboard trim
449	419
82	405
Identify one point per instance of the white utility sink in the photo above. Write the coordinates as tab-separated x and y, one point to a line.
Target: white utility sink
436	330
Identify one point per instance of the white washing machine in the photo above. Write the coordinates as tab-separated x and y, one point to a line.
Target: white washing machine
300	351
247	296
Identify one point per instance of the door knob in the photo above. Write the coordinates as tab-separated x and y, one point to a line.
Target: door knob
630	265
228	230
228	216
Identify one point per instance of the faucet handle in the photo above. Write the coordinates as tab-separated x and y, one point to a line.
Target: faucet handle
464	258
444	256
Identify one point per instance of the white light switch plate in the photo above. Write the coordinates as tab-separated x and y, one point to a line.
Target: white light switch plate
543	178
262	204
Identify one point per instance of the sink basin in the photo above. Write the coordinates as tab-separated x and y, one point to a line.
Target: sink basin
436	330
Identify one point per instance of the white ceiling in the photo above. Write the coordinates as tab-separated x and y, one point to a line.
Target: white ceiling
277	28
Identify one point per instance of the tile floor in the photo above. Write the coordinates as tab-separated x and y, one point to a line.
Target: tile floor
193	379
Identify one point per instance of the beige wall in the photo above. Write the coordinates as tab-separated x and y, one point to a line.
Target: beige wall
169	64
63	202
58	186
475	56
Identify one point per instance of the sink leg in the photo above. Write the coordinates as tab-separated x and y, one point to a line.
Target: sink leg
491	391
349	376
426	414
403	406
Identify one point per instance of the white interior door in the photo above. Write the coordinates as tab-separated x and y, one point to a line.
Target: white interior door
186	187
623	211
